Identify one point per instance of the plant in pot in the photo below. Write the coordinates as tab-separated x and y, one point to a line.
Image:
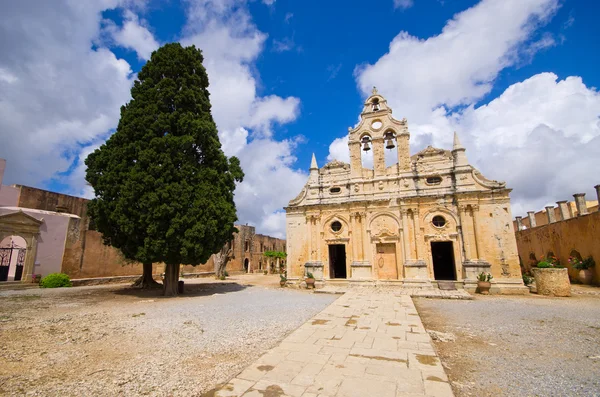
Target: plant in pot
584	266
484	283
282	280
310	280
551	278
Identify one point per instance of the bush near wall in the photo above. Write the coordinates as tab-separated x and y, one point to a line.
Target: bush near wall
56	280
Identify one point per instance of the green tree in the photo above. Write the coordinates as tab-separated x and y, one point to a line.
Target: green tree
164	188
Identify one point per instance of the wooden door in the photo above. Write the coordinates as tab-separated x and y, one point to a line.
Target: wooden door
385	262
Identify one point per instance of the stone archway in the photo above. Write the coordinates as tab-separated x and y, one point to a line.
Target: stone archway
27	227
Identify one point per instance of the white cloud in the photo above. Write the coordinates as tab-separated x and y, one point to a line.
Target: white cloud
60	94
459	65
541	136
223	29
269	2
403	4
134	35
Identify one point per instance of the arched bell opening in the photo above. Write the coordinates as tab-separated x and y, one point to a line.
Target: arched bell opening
366	152
390	144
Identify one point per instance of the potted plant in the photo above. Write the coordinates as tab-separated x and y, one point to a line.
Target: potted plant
551	278
310	280
282	280
584	266
484	283
36	278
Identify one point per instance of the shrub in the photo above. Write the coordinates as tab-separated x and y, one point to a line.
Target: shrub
226	274
282	277
545	265
56	280
582	264
527	280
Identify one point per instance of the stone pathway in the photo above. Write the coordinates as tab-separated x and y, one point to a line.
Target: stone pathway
364	344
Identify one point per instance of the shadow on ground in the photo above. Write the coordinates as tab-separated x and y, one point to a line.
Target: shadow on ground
190	290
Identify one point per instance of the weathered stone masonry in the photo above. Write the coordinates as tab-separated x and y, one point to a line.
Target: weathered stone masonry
429	217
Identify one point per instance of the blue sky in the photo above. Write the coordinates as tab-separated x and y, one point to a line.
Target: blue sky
515	78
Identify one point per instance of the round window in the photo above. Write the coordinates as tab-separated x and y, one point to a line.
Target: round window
336	226
438	221
376	125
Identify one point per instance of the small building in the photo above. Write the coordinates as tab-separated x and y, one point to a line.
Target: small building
426	218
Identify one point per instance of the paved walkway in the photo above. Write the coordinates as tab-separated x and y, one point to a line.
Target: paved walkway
435	293
364	344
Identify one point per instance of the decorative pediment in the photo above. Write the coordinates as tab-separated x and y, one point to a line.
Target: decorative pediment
20	222
336	164
20	218
385	234
430	151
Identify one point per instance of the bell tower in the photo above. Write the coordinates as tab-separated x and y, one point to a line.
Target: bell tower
378	131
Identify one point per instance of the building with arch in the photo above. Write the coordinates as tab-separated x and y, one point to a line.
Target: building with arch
423	219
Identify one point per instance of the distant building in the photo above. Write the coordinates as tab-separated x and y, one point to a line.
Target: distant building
44	232
427	218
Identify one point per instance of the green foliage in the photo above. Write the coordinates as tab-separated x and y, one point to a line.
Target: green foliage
309	275
282	277
164	188
545	265
56	280
485	277
225	274
275	254
527	280
582	264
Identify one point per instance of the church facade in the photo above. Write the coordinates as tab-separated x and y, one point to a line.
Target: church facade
429	217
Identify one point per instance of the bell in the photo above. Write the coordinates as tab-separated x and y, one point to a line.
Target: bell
366	147
390	144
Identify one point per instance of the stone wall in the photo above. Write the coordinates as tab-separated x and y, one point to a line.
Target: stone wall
581	233
251	246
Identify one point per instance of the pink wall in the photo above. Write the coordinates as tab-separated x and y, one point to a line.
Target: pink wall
51	240
9	196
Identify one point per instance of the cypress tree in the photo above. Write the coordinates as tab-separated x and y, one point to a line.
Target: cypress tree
164	188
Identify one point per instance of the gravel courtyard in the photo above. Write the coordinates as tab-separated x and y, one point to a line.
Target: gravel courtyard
517	346
112	340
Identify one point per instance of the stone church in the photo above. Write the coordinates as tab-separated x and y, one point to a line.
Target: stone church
428	217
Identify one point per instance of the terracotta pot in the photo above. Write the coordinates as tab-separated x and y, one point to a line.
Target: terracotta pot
282	283
484	287
310	283
585	276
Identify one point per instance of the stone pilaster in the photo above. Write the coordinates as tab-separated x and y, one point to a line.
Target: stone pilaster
519	223
403	152
478	246
580	203
563	208
378	156
462	215
550	214
531	217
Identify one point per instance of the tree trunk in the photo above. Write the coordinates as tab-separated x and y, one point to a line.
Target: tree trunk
220	260
146	281
171	280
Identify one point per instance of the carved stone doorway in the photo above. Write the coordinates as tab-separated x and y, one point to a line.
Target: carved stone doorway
442	254
385	262
337	261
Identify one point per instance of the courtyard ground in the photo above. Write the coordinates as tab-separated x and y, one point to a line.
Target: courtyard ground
112	340
517	346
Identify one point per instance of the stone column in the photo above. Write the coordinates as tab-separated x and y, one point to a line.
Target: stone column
478	246
550	214
531	217
580	203
364	236
403	152
405	237
354	236
462	216
519	223
378	157
417	228
563	209
309	221
597	187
